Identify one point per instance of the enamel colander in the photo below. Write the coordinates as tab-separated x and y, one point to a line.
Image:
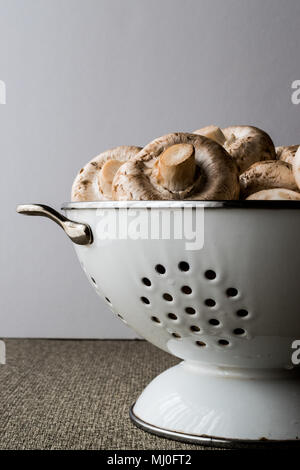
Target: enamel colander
216	284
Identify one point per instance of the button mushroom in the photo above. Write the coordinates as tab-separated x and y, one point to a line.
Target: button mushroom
212	132
275	194
247	145
296	168
178	166
175	169
94	180
286	153
267	175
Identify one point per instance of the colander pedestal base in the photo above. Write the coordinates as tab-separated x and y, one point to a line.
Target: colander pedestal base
221	406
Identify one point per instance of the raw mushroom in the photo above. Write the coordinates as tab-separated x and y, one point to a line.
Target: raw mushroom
178	166
296	168
286	154
247	145
267	175
93	182
275	194
106	176
212	132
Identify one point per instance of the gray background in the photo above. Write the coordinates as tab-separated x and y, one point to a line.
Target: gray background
85	75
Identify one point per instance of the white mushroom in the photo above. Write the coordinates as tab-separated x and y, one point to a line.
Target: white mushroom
175	169
286	154
178	166
212	132
106	176
247	145
275	194
94	180
296	168
267	175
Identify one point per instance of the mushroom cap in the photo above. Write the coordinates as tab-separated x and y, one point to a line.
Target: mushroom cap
216	176
287	153
86	186
267	174
275	194
247	145
296	168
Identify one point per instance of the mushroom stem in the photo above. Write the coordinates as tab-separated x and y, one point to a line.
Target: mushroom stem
106	176
176	167
212	132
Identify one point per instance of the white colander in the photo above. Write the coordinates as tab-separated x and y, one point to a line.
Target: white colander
227	305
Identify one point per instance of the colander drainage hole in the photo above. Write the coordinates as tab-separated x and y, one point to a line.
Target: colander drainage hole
160	269
146	281
172	316
195	328
145	300
167	297
200	343
107	300
239	331
242	313
155	319
210	302
176	335
93	280
210	274
232	292
186	290
214	322
190	310
183	266
223	342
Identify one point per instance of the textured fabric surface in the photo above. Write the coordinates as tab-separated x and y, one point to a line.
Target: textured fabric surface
62	394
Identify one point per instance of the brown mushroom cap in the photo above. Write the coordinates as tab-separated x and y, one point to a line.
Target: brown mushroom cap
247	145
267	175
275	194
213	177
89	184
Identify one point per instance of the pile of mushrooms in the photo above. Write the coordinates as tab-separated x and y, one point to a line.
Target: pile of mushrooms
236	162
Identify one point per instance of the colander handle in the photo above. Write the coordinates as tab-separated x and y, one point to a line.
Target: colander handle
81	234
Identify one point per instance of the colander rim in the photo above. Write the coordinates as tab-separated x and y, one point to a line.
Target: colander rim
251	204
